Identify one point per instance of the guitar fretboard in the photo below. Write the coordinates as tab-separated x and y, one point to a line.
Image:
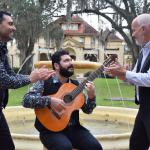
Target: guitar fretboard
91	77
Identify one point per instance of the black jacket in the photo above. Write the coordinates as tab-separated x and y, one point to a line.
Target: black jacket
144	92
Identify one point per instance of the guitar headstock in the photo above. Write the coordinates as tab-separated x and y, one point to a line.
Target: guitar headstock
110	59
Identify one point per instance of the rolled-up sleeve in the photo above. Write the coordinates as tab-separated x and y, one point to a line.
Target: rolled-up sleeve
34	98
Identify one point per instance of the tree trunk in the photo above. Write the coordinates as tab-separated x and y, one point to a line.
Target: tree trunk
130	42
26	57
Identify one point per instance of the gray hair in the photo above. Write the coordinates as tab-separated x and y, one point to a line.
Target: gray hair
143	20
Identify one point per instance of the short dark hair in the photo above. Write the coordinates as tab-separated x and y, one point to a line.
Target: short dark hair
56	57
2	13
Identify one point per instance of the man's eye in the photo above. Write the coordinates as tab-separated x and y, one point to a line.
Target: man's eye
10	23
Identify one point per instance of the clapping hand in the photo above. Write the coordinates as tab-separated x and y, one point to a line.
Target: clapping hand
41	74
116	69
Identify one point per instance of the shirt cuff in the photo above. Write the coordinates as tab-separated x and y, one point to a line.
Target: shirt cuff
48	100
27	78
128	76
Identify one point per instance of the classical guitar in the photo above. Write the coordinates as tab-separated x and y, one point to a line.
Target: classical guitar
73	98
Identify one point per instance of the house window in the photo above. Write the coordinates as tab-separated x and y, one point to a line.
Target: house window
82	40
70	26
74	26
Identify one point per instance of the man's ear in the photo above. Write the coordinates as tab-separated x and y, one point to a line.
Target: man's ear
56	65
144	29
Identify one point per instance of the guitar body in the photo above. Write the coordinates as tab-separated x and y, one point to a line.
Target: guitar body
49	120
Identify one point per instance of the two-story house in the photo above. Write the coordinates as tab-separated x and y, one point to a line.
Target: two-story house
81	40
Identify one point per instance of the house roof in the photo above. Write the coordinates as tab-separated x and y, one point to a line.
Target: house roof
114	38
88	30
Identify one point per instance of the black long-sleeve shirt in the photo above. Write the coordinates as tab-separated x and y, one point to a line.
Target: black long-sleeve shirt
8	78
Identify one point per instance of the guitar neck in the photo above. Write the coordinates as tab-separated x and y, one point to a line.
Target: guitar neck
91	77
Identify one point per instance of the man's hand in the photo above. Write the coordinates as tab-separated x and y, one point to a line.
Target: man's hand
41	74
90	90
57	105
116	69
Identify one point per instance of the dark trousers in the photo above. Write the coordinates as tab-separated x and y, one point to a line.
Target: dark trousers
79	138
6	142
140	137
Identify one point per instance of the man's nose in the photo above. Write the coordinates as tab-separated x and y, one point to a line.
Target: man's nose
14	28
71	63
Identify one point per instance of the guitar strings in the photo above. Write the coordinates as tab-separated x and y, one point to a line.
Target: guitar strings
91	77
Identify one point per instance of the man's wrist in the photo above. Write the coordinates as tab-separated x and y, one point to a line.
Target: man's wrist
92	98
28	78
124	72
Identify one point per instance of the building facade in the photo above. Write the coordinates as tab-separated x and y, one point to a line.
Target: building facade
81	40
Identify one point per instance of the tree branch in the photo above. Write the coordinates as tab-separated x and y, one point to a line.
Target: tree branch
146	6
114	25
126	5
132	6
120	11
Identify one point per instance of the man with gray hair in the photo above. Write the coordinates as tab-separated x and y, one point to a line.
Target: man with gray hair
140	77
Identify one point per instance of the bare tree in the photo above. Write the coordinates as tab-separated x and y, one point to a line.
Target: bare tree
31	17
119	13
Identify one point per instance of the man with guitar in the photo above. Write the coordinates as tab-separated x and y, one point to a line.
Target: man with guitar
61	130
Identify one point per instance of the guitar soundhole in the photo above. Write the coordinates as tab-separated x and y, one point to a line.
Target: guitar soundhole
67	98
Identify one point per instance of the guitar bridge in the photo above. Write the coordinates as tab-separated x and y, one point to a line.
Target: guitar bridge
54	112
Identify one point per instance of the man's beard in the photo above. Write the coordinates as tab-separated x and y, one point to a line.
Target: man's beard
65	72
140	42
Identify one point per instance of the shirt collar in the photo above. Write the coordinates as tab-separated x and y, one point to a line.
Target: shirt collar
147	45
56	80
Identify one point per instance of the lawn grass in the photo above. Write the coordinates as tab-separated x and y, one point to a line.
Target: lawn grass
16	95
102	93
117	89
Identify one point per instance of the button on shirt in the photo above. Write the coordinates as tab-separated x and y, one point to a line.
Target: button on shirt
140	79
